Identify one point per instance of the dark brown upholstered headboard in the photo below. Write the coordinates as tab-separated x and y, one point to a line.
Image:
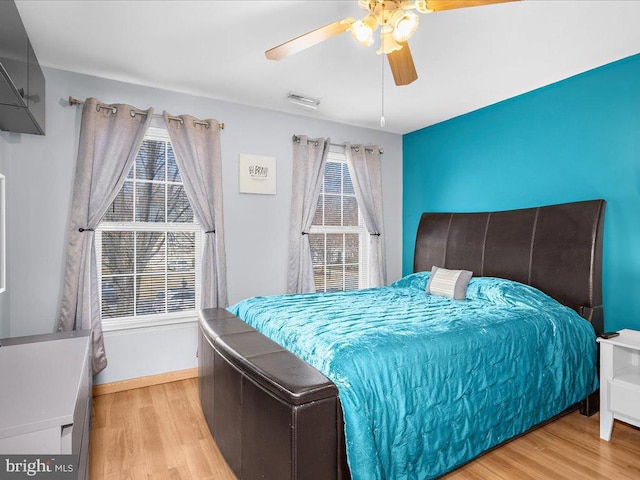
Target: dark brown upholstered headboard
556	248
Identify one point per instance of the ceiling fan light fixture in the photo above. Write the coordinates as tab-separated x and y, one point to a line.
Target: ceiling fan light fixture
362	30
388	43
421	6
398	23
404	26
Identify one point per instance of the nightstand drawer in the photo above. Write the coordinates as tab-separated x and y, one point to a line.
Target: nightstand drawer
624	398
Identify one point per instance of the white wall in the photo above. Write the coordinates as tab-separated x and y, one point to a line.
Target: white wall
42	170
4	297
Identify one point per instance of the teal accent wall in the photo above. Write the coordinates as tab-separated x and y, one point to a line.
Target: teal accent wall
577	139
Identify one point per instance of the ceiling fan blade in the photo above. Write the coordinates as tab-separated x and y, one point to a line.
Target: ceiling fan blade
440	5
401	63
309	39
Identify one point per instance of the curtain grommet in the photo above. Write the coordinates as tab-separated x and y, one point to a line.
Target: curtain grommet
99	107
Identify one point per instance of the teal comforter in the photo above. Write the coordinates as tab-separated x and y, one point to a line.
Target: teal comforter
427	383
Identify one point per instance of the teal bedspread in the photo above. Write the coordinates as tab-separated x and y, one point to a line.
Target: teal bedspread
427	383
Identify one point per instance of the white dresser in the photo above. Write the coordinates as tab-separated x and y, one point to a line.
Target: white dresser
45	398
619	381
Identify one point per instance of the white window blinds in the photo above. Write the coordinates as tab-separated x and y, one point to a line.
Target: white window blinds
148	244
338	237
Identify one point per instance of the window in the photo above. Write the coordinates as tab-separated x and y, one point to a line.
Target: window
339	240
148	243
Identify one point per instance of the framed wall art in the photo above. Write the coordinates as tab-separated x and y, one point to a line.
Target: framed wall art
257	174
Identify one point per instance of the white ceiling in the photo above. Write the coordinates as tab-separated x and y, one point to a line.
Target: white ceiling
466	59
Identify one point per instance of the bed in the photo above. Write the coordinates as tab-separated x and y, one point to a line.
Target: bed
275	416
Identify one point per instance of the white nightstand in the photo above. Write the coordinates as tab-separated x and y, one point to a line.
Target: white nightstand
45	404
619	381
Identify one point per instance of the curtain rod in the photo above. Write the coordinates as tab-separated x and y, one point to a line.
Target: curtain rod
75	101
343	145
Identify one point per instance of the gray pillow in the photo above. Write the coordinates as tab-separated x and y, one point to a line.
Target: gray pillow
449	283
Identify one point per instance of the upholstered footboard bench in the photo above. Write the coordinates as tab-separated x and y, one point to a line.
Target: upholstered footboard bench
272	415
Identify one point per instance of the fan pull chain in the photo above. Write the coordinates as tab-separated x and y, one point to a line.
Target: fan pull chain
382	55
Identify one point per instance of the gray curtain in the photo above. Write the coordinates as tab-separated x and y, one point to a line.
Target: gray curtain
309	157
365	169
197	149
109	141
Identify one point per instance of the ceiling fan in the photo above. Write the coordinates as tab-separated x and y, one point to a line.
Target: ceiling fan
397	23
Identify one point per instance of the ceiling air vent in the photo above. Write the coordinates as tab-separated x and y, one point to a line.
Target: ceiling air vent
303	101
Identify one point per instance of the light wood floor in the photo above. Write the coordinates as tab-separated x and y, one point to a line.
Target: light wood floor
159	432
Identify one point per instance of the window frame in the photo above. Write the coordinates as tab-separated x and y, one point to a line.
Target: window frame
337	154
156	319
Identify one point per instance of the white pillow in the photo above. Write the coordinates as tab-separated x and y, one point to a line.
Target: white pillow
449	283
